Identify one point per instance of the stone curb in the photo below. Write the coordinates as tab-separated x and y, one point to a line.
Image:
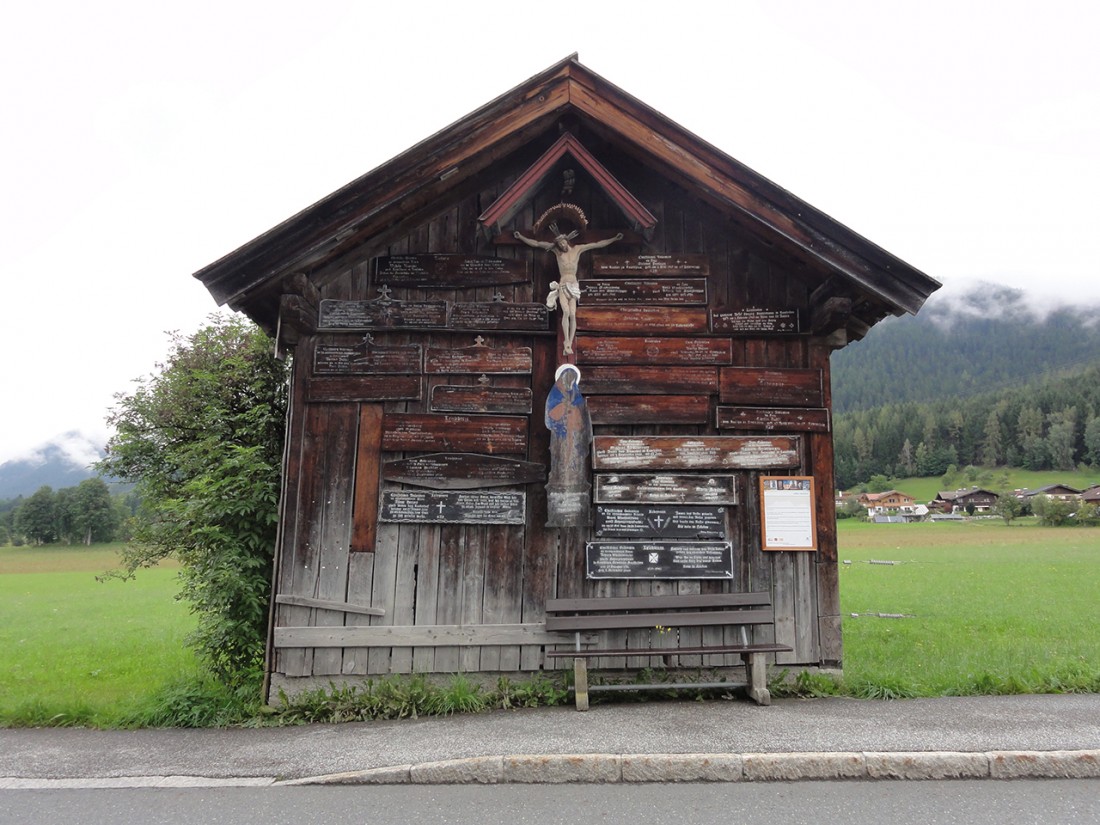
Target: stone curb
725	767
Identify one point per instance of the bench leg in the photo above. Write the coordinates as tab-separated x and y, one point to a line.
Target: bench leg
580	682
757	668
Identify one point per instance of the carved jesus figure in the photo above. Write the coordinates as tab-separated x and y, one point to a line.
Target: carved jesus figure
567	290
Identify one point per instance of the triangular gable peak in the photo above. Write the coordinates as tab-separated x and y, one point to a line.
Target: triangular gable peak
854	283
505	207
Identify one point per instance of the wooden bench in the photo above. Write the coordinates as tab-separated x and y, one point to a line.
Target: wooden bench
741	610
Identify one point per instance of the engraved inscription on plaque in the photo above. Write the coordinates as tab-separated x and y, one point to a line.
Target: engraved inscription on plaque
655	522
659	560
426	432
713	452
683	264
649	409
382	313
493	315
471	507
633	318
449	271
367	360
810	420
462	471
635	380
340	388
477	360
670	351
756	321
771	387
682	292
665	488
448	398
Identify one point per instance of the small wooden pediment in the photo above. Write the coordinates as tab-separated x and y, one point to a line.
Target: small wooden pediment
493	219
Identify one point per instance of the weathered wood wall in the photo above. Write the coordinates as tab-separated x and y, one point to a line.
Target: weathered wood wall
470	596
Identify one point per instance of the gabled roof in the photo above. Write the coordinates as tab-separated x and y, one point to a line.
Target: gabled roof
362	217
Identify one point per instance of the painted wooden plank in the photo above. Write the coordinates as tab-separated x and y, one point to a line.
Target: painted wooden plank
500	400
653	350
756	321
684	263
660	291
717	452
649	409
499	315
331	388
428	432
367	358
421	635
774	419
369	449
614	380
771	387
665	488
448	271
636	318
477	360
462	471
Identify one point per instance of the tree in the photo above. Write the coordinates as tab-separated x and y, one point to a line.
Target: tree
1092	441
1008	507
1061	438
37	517
202	441
93	513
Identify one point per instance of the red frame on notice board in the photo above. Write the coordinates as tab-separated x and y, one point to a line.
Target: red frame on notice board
788	518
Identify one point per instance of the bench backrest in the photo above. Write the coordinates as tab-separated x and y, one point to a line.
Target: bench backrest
625	612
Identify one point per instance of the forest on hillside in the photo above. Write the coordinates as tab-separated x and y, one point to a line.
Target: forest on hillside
982	382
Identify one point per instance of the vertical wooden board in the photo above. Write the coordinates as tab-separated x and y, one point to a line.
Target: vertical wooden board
383	586
360	577
367	464
784	600
473	590
831	649
448	609
822	459
289	504
335	526
427	592
503	600
408	542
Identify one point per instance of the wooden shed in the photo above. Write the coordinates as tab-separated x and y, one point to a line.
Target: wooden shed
430	507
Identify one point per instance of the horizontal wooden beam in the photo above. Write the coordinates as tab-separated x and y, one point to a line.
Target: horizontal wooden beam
326	604
418	636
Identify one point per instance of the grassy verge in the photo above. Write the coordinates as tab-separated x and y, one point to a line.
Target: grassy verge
968	608
76	651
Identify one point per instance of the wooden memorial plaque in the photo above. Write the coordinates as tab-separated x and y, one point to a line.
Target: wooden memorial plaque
704	452
684	264
665	488
641	351
382	313
769	419
462	471
363	388
367	359
659	522
771	387
638	380
449	271
649	409
449	398
659	560
478	360
469	507
426	432
756	321
636	318
668	291
499	315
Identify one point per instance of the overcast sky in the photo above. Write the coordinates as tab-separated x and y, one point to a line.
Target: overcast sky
142	141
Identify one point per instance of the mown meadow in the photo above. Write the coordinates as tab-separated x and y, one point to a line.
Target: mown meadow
930	609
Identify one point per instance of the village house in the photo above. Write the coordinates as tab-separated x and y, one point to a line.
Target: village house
1059	492
892	501
970	500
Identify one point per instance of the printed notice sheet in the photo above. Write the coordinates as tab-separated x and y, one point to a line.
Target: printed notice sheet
787	517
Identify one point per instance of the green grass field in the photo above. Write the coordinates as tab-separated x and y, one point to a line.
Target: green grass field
989	609
74	650
994	608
